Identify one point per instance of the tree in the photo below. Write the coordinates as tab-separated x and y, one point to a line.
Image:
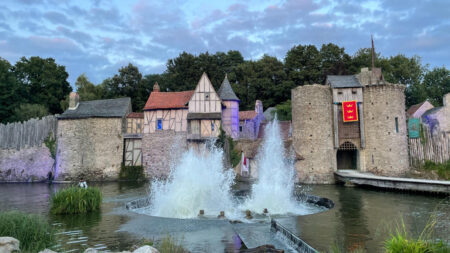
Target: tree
8	91
29	111
87	90
303	65
283	110
128	83
42	81
436	84
333	61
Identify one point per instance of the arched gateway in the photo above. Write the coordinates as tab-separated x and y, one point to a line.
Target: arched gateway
347	156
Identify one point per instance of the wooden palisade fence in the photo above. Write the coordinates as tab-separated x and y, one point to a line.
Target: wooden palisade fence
30	133
429	147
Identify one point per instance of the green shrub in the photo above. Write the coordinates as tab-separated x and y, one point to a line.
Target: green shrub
76	200
131	172
33	232
169	245
400	242
443	169
235	155
50	143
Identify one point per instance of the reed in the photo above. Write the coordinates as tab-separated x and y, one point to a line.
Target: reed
74	200
33	232
168	244
132	173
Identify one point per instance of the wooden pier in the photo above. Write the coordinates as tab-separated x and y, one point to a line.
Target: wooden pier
354	177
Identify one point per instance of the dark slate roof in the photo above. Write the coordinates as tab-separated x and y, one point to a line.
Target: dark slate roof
226	92
349	81
106	108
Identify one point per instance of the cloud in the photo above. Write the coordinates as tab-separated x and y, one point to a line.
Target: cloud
97	37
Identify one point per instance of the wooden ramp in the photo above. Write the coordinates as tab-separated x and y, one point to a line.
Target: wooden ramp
408	184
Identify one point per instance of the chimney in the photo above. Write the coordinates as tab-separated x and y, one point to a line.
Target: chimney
74	99
258	107
447	100
156	87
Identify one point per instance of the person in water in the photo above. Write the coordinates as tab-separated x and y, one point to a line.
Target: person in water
82	184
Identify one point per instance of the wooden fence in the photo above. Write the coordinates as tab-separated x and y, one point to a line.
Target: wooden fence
430	146
30	133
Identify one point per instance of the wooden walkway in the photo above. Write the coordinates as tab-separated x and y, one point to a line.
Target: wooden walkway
409	184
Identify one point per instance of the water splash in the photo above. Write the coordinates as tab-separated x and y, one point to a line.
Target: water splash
275	185
197	182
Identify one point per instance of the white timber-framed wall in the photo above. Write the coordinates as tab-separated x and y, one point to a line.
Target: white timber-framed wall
171	119
205	111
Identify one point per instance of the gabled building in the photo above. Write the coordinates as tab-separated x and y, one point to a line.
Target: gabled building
250	122
438	118
416	111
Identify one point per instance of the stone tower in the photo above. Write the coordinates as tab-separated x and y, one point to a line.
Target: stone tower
230	114
386	149
312	131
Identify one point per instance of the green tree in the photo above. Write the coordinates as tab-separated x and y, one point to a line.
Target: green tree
87	90
283	110
128	83
436	84
333	61
8	91
42	81
303	65
30	111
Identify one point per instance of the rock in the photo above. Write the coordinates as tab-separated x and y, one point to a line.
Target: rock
146	249
47	251
9	244
91	250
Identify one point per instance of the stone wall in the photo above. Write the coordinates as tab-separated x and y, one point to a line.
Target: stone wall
312	133
90	148
386	151
25	165
160	150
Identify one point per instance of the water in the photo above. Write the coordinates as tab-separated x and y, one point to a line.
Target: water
357	219
199	181
275	184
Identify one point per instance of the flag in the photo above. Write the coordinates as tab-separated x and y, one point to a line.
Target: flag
244	165
350	111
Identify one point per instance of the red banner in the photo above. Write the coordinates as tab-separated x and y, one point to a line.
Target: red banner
350	111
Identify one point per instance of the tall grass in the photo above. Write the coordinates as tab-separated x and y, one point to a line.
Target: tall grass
442	169
170	245
76	200
131	172
33	232
400	241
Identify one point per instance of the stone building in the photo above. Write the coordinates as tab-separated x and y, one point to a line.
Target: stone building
132	154
250	122
438	118
416	111
90	139
375	142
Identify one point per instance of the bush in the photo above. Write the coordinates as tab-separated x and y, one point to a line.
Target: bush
76	200
131	172
443	169
169	245
33	232
400	242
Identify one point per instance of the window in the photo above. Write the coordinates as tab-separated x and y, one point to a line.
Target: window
354	92
207	96
396	124
159	124
240	128
340	92
212	126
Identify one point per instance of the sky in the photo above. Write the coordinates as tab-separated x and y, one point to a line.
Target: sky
97	37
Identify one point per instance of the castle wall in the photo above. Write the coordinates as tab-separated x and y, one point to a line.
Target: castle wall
312	132
386	151
91	148
28	164
160	150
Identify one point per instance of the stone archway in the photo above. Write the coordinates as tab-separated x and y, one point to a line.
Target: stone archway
347	156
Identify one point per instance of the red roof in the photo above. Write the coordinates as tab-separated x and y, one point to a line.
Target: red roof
245	115
413	109
135	115
168	100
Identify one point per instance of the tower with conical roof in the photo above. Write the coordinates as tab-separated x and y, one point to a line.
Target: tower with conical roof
230	112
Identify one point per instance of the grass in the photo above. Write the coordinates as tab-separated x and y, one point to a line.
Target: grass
33	232
170	245
74	200
400	241
131	172
442	169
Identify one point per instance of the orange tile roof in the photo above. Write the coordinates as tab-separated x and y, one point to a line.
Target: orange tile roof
247	115
168	100
135	115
